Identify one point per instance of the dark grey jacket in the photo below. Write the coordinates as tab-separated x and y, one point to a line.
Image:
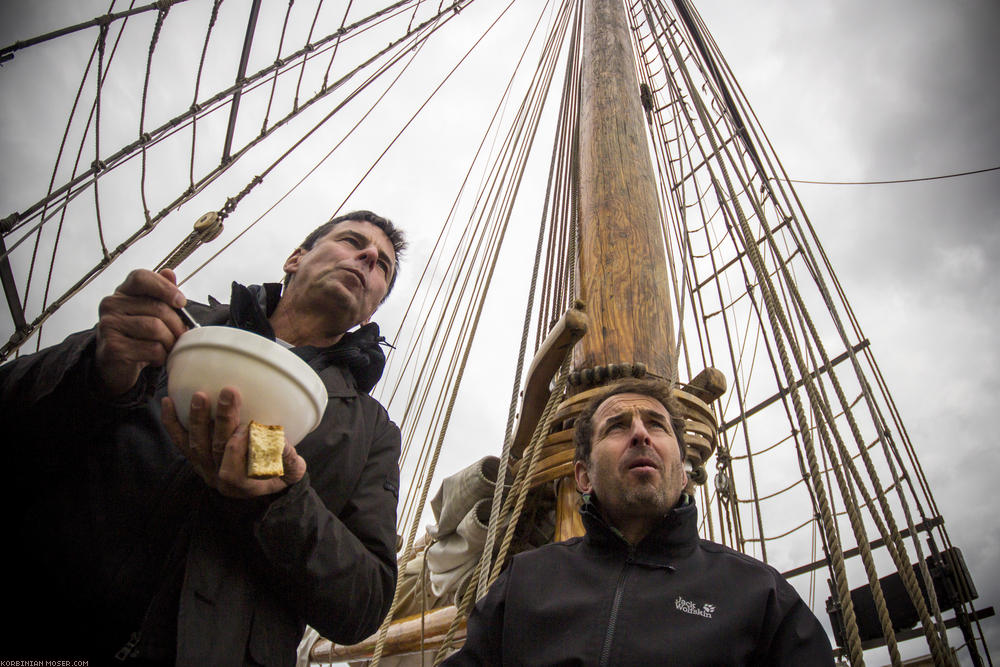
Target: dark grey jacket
114	532
674	599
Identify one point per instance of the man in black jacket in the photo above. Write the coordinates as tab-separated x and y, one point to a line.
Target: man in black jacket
138	539
640	588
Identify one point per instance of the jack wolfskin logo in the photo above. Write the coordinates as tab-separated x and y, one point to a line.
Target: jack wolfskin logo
687	607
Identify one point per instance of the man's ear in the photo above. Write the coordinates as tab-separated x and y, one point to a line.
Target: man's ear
684	474
583	483
292	263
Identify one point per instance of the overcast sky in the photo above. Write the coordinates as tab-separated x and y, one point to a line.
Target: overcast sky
852	91
846	91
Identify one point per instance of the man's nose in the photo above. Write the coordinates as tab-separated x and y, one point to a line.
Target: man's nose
369	255
640	436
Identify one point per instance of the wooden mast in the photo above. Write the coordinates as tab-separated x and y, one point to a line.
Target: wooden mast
623	274
622	269
622	261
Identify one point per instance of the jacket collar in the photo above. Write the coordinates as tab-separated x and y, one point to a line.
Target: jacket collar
358	352
675	535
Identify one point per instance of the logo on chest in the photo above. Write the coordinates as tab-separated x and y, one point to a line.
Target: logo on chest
706	610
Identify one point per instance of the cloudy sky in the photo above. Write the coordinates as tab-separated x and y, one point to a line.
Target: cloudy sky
851	91
846	91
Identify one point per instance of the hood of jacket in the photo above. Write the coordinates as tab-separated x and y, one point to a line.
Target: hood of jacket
359	351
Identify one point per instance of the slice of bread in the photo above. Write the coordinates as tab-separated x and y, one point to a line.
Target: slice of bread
267	443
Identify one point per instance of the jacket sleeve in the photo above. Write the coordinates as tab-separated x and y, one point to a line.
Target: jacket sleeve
484	631
794	633
51	394
28	381
338	570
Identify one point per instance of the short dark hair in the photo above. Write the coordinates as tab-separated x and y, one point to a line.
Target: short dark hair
394	234
659	390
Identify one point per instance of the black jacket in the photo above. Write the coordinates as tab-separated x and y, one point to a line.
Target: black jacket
674	599
115	532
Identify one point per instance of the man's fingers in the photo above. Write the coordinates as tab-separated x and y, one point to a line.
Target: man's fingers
140	317
295	465
227	418
169	275
233	470
179	436
200	430
137	331
160	286
148	293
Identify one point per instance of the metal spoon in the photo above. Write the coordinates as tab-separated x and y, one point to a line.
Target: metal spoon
187	318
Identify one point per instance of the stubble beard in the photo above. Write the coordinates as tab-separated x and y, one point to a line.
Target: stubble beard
654	499
337	296
623	498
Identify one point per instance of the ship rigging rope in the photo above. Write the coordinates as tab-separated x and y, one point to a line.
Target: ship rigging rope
789	293
890	181
55	169
413	51
502	187
817	401
277	57
442	335
516	497
566	123
729	195
432	25
161	16
100	21
458	266
780	325
897	549
770	258
213	17
889	447
905	568
794	202
217	101
16	220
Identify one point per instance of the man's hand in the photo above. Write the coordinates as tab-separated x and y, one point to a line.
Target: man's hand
217	449
137	328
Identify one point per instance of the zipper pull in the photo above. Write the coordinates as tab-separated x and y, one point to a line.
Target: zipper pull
129	650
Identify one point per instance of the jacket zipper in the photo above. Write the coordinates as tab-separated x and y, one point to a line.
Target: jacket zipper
619	592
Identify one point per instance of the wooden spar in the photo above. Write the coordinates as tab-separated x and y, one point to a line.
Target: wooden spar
404	637
623	274
568	330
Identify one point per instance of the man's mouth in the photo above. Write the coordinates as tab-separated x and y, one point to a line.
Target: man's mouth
357	274
643	464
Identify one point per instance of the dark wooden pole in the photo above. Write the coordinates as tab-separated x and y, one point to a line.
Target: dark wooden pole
623	271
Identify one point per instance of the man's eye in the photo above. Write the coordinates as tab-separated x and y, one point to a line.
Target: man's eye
384	265
353	241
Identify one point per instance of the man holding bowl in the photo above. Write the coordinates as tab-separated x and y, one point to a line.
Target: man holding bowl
140	539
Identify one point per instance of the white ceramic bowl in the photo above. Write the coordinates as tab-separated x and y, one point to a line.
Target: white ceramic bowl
276	386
